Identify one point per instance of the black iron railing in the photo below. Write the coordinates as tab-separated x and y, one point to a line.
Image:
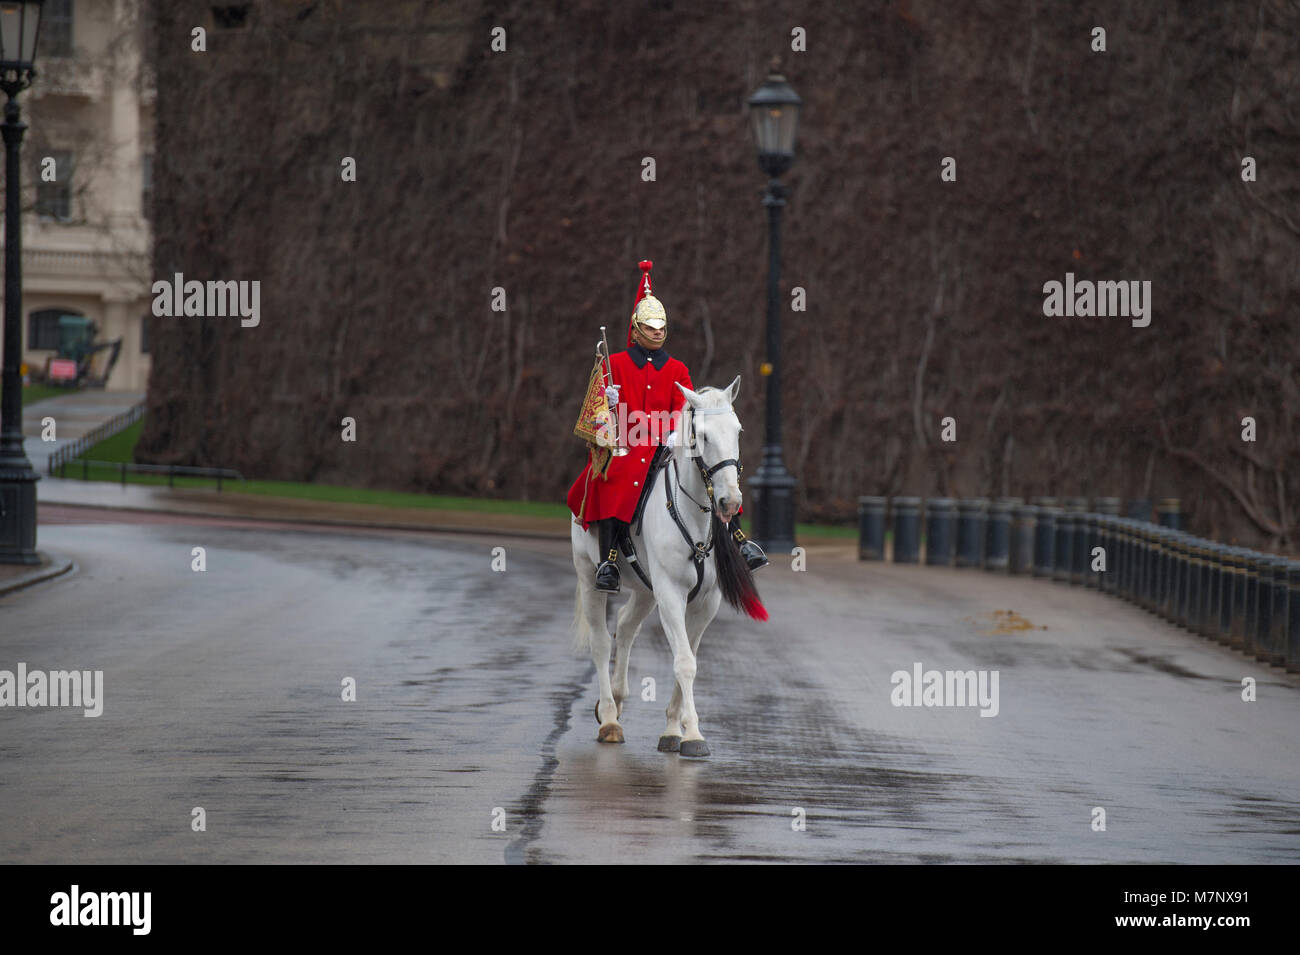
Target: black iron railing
114	425
172	471
72	452
1242	598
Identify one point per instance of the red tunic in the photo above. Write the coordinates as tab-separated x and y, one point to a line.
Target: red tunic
642	388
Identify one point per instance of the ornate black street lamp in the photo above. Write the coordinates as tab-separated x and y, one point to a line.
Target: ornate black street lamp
774	108
19	25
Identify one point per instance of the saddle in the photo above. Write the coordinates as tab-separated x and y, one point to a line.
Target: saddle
657	464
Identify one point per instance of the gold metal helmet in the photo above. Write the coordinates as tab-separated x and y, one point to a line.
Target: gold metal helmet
649	310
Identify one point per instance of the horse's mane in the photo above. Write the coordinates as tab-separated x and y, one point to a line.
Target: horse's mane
734	576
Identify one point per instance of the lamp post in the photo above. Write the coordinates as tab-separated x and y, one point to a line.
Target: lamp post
774	109
19	25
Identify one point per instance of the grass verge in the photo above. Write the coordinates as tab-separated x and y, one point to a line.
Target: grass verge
121	448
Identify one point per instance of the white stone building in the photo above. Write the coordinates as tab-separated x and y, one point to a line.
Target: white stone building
86	239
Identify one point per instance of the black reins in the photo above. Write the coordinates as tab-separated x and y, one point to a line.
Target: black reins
699	549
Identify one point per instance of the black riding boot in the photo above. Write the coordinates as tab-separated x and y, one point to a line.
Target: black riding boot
752	553
607	573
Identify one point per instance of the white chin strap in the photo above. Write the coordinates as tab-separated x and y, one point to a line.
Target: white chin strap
639	335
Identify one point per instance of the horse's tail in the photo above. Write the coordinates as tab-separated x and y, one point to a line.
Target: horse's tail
734	576
581	634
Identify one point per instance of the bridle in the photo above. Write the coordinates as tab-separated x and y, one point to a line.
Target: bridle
698	459
699	549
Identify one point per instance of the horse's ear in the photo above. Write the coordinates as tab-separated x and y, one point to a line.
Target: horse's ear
691	396
733	389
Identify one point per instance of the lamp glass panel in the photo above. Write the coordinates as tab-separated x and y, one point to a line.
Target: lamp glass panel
31	19
766	123
786	126
11	15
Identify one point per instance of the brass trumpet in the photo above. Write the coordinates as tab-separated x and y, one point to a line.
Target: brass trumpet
607	373
597	422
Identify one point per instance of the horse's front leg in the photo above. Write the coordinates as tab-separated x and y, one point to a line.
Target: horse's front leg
629	624
672	613
698	616
671	740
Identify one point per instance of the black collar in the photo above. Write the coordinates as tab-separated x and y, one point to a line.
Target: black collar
639	356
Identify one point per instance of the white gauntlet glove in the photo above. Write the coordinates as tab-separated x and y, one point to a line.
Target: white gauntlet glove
611	395
672	439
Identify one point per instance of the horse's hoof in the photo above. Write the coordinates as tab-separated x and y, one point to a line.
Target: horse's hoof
669	744
610	733
694	747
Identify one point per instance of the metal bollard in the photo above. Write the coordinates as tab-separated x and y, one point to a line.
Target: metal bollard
1195	590
997	534
1106	528
1252	603
1045	540
1139	509
1210	627
1165	560
1204	568
907	530
1293	616
1159	570
1227	584
972	516
1186	570
871	528
1080	559
940	527
1169	608
1075	508
1024	531
1121	557
1209	592
1186	564
1129	550
1063	549
1263	605
1169	603
1145	560
1164	576
1108	505
1091	541
1237	635
1278	617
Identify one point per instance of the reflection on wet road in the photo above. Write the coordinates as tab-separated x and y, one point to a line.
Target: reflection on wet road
223	691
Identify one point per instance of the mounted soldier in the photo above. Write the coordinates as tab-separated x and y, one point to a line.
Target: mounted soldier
638	385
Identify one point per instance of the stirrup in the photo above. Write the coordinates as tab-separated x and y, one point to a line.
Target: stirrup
607	576
753	554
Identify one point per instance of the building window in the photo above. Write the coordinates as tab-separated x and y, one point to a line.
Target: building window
144	335
54	199
43	328
146	182
230	16
56	28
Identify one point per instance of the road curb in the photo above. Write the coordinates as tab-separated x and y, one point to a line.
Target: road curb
57	566
486	528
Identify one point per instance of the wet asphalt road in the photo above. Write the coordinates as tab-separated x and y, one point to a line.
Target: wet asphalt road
223	690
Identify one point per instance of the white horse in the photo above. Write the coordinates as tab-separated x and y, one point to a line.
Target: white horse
696	496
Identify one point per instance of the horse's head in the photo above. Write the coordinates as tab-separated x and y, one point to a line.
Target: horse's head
712	436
